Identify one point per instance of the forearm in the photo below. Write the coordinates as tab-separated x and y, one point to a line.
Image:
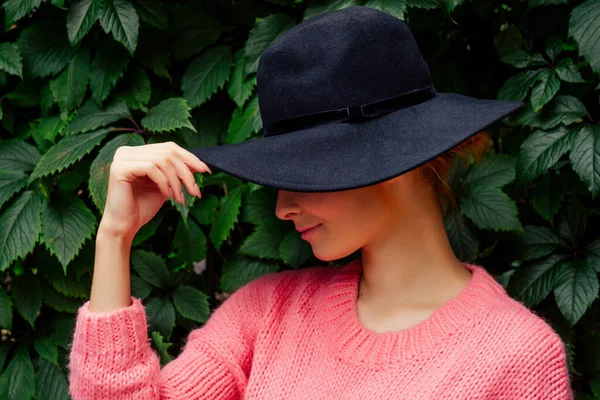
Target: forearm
111	287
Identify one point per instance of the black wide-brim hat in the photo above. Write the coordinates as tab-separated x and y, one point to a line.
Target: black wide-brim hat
346	100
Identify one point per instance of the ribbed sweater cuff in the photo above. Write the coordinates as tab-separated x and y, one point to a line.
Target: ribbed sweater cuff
115	340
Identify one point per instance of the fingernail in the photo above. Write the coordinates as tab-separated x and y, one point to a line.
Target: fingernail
183	198
197	190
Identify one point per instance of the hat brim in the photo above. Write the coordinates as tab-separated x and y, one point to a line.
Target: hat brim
350	155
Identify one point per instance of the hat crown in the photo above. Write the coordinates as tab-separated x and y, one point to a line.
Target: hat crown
341	58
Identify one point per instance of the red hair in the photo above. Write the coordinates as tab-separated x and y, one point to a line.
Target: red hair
435	171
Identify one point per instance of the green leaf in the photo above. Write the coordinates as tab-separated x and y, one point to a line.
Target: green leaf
153	12
6	313
90	116
50	382
82	15
120	18
532	283
319	7
540	151
162	347
190	241
240	270
66	152
226	217
266	239
522	59
240	86
50	127
191	303
10	60
591	253
571	222
18	155
463	238
517	86
547	195
262	35
576	288
244	123
150	267
100	168
136	90
563	108
490	208
20	227
554	47
567	71
584	27
585	157
17	9
425	4
26	94
69	88
259	205
17	382
206	74
161	316
194	38
538	242
168	115
46	348
538	3
545	89
57	301
66	226
396	8
494	170
26	296
140	288
45	48
293	250
10	183
108	67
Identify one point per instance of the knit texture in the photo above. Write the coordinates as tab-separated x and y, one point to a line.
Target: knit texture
296	335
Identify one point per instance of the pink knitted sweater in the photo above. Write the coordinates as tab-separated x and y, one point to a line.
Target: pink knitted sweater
296	335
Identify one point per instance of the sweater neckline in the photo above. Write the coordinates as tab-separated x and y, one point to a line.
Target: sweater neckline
351	341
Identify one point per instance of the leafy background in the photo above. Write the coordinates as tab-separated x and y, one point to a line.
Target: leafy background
78	79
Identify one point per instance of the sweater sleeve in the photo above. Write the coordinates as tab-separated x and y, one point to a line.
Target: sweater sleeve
111	356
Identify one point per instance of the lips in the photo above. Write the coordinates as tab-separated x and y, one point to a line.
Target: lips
304	229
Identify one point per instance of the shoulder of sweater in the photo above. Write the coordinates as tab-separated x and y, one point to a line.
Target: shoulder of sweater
286	281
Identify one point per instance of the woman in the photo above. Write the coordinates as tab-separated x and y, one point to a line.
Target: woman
406	319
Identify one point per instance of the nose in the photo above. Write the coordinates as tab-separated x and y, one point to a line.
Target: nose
286	206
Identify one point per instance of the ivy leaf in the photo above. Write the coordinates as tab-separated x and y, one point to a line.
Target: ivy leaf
490	208
26	296
120	18
69	88
10	183
150	267
522	59
244	123
547	195
563	109
517	86
10	60
545	89
140	288
66	152
45	347
17	382
168	115
50	381
191	303
576	288
494	170
585	157
393	7
17	9
239	270
541	150
136	90
196	37
584	27
162	347
161	316
319	7
6	312
240	86
100	168
45	48
226	217
108	67
262	35
567	71
20	227
293	250
66	226
463	238
538	242
206	74
90	116
18	155
82	15
153	12
532	283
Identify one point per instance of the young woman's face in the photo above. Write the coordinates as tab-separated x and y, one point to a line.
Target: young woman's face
349	219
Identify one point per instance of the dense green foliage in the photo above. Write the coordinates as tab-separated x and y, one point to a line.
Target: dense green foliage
80	78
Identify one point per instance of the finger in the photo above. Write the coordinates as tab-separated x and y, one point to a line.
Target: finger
186	176
165	163
141	169
190	159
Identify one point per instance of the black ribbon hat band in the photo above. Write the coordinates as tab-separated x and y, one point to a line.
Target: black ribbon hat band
350	113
